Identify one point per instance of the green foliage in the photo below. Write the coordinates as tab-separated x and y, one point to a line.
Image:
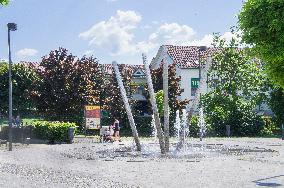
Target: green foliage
239	115
237	85
261	22
23	77
194	128
277	105
52	131
270	127
4	2
160	102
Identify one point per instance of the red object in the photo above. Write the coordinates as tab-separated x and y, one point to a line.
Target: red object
96	113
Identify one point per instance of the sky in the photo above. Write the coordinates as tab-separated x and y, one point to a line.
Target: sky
119	30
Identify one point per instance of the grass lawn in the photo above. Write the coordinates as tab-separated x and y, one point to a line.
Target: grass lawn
26	121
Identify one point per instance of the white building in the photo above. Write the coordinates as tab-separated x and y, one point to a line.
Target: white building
187	60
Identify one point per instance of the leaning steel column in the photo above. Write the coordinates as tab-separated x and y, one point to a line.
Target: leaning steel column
127	106
166	100
154	105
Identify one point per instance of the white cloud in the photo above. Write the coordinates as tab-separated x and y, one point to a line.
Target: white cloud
88	52
114	34
207	40
117	35
145	46
173	33
26	52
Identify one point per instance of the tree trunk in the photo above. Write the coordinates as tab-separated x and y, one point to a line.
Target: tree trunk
127	106
154	105
166	102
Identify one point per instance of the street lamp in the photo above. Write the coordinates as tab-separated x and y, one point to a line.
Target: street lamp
11	27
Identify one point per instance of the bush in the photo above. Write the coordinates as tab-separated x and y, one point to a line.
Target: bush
52	131
237	113
270	127
194	128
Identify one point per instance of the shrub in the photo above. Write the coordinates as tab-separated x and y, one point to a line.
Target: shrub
52	131
194	128
237	113
270	127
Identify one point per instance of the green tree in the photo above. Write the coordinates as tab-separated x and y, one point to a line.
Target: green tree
261	22
23	76
160	102
237	85
4	2
277	105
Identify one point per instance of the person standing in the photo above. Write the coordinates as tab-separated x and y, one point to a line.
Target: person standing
116	130
18	121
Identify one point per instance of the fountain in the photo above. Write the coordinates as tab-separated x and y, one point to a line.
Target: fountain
154	130
185	129
177	125
201	124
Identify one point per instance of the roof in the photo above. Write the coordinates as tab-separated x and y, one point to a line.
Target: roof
107	68
188	56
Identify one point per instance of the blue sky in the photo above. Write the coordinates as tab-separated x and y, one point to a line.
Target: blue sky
112	29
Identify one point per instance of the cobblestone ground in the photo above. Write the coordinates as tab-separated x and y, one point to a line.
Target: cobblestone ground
216	162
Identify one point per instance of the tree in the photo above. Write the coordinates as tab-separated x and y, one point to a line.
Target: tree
23	77
261	22
4	2
277	105
237	85
67	83
111	97
174	91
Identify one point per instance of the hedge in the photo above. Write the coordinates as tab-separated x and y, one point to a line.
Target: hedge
52	131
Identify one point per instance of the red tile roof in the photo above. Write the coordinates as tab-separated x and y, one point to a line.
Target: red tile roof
187	56
107	68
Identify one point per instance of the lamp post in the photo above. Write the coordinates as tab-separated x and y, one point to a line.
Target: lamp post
11	27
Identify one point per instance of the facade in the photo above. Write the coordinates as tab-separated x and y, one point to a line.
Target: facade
187	60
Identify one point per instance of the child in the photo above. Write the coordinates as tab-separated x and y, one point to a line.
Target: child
109	134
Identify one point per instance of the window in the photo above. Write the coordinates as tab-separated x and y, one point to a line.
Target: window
140	90
194	85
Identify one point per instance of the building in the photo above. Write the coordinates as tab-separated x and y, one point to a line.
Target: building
187	60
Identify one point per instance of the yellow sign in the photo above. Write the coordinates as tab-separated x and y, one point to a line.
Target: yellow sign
92	107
